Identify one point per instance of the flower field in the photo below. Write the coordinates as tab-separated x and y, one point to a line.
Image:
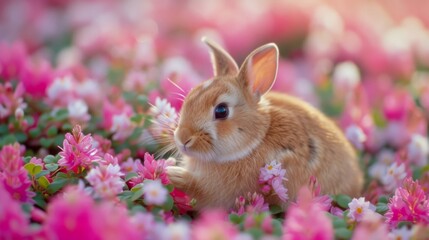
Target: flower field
91	91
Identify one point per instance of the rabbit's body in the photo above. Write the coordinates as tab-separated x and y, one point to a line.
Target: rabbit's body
223	156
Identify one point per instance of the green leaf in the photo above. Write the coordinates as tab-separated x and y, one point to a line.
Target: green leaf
381	208
61	115
67	127
29	119
278	227
40	200
169	203
137	118
342	200
51	166
27	159
256	233
43	181
343	233
32	168
125	195
130	175
4	129
170	187
42	173
52	131
383	199
236	219
58	140
142	100
137	192
51	159
137	208
56	185
8	139
35	132
21	137
276	209
339	222
46	142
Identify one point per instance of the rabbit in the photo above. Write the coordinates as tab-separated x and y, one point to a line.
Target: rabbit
230	126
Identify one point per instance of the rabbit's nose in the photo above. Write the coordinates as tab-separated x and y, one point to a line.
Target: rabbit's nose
184	137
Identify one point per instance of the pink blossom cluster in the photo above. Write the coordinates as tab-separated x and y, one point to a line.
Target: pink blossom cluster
120	70
272	178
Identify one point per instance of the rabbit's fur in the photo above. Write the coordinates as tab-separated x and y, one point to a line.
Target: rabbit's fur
222	158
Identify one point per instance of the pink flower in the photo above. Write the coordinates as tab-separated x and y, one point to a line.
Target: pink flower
271	177
110	110
13	175
273	169
359	208
13	223
324	200
356	136
77	151
213	224
11	99
371	227
154	192
106	180
408	204
12	59
397	104
306	219
153	169
253	203
181	200
280	189
74	215
36	78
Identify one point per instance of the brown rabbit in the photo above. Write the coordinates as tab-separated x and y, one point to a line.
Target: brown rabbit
230	127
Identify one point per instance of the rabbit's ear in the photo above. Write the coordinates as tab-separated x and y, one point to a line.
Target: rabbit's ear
259	70
223	63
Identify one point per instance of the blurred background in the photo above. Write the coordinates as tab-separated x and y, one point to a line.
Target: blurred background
363	61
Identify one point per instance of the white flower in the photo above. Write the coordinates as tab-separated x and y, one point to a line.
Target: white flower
402	233
106	180
59	87
346	76
384	159
154	192
356	136
78	110
122	127
177	231
393	176
165	117
418	150
359	207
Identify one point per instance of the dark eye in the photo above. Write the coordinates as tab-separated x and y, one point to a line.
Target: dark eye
221	111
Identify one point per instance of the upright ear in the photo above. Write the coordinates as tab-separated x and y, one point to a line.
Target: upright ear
259	70
223	63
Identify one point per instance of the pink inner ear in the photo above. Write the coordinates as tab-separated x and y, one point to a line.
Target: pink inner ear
262	70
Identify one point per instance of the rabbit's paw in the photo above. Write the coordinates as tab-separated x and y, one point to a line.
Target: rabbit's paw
178	176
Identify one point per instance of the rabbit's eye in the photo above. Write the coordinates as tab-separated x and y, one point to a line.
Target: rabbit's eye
221	111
